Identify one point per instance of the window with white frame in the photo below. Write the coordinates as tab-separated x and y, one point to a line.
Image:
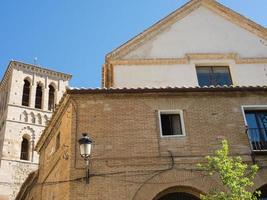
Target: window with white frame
171	123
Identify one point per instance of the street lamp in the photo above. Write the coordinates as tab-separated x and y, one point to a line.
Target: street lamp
85	143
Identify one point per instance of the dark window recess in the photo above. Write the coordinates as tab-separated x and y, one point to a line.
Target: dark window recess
26	93
171	124
179	195
257	129
263	191
57	141
209	75
39	96
51	98
24	153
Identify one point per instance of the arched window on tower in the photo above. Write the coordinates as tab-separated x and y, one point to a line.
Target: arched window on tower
26	93
25	147
39	96
51	98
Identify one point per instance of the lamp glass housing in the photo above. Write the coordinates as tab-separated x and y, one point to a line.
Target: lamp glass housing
85	143
85	150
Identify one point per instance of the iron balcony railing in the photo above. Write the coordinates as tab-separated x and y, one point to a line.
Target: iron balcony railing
258	138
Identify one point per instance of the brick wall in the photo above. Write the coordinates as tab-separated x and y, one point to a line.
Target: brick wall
129	158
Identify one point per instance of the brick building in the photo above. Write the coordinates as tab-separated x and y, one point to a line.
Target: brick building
170	96
28	94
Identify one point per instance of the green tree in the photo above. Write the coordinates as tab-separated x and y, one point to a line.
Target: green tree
235	175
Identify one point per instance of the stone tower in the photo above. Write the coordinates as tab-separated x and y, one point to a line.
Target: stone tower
28	95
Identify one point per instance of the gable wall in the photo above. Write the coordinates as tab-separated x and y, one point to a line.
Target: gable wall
202	31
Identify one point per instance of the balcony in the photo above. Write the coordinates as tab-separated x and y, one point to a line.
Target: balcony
258	139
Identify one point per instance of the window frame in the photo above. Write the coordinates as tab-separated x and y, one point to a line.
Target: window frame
256	108
180	112
212	66
251	108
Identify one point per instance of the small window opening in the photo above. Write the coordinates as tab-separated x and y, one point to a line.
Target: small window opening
26	93
171	124
51	99
24	154
39	96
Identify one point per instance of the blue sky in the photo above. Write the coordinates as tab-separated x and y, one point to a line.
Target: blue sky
74	36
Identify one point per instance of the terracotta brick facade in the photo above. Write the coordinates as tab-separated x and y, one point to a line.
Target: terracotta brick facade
130	160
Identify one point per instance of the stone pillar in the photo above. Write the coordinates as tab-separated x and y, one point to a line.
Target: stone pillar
45	99
32	95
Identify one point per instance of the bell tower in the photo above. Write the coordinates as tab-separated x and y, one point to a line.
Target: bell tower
28	96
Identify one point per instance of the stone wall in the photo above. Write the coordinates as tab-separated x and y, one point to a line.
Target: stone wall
24	121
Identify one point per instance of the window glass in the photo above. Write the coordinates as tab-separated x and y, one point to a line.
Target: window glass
171	124
257	129
209	75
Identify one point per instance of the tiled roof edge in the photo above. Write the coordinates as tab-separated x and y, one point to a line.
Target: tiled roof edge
164	89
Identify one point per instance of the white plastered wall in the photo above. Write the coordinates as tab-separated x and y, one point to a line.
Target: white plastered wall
204	32
185	75
154	75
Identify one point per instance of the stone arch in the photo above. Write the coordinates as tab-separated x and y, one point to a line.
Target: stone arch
39	118
179	192
28	79
187	181
27	133
27	130
263	190
33	119
260	180
53	84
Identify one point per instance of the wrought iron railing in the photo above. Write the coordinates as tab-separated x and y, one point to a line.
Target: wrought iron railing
258	138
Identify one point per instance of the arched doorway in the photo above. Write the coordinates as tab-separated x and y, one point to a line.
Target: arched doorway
178	196
178	193
263	191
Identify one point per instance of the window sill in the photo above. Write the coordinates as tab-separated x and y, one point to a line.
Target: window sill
172	136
